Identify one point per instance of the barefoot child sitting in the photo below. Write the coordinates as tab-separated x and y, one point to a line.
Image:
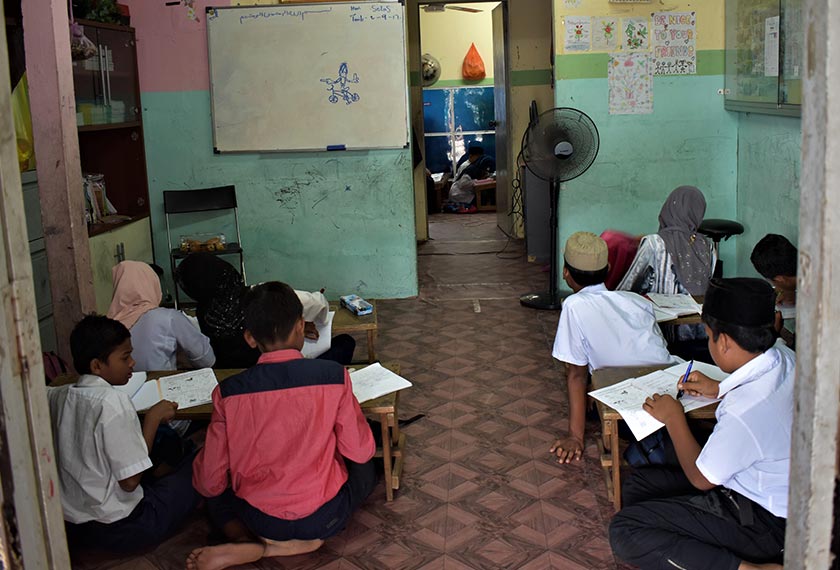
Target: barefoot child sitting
103	452
725	507
287	458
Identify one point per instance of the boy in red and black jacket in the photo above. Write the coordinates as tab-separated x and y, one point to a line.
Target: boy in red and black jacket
288	452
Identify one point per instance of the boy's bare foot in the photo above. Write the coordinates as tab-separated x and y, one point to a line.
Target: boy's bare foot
751	566
224	555
290	547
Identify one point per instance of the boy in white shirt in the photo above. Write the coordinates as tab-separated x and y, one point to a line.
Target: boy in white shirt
725	507
102	451
598	328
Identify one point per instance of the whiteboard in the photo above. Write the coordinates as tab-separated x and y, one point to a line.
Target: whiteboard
308	76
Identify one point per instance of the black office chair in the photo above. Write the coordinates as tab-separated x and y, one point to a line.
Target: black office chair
204	200
717	230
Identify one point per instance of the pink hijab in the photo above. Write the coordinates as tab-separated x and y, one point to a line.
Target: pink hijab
136	292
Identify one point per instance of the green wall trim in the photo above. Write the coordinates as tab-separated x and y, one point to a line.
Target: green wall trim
594	65
527	77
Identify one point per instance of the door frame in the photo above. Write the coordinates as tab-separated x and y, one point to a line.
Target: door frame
414	46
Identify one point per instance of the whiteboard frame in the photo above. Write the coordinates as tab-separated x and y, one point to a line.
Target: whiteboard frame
216	150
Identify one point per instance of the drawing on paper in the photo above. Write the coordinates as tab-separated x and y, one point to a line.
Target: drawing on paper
339	88
636	33
578	31
605	34
674	43
631	84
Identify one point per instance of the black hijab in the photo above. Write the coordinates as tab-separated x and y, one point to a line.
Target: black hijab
679	219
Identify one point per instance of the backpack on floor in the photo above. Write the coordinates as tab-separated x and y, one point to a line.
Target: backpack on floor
54	366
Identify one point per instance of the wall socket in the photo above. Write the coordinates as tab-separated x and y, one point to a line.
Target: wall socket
723	91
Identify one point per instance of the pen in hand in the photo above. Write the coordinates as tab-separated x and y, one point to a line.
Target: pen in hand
681	393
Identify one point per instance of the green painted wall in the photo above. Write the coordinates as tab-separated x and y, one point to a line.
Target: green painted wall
769	150
344	221
689	139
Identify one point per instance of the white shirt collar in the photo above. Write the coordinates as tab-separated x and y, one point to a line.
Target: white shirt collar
594	288
91	380
751	371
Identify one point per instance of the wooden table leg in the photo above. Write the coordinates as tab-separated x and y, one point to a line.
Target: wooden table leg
616	466
371	342
386	456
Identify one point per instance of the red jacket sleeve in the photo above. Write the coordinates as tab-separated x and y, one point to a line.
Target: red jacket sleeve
355	440
211	466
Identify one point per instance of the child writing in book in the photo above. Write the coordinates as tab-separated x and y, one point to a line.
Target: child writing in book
776	259
102	449
598	328
725	507
287	458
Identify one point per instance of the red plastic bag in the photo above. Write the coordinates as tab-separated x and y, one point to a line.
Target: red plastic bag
473	68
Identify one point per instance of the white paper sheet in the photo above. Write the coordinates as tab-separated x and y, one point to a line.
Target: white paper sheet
771	47
375	381
578	32
146	397
133	385
676	305
189	389
788	311
628	397
315	348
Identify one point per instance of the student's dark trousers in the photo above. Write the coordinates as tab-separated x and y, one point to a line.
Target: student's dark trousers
166	504
327	521
668	524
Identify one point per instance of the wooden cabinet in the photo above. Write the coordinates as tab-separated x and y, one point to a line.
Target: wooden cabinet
110	121
129	241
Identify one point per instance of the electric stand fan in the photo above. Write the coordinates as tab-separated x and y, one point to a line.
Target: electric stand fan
559	145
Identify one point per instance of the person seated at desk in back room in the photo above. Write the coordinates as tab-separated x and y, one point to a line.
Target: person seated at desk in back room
475	165
725	507
676	260
217	288
102	451
598	328
287	459
775	258
157	333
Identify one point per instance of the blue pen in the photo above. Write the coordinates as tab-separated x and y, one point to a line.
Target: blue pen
681	393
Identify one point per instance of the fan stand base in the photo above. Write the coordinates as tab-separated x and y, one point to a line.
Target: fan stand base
544	300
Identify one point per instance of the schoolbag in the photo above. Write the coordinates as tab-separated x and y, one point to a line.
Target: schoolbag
54	366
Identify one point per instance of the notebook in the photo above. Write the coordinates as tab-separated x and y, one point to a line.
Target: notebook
188	389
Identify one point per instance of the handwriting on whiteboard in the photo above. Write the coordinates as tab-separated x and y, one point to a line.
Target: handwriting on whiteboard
268	14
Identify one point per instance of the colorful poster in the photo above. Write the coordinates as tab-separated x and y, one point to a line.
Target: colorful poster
631	84
578	34
674	43
636	34
605	33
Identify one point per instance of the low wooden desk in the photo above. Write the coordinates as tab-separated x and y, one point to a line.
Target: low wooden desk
483	190
609	443
347	322
384	409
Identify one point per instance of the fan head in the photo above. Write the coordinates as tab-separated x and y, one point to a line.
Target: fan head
561	144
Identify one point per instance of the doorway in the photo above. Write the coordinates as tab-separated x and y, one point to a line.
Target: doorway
453	114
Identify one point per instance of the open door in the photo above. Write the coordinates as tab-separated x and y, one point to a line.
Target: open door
501	90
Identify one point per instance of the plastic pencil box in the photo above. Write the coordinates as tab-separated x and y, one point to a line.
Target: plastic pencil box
356	305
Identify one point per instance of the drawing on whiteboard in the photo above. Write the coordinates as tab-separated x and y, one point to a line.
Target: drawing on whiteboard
339	89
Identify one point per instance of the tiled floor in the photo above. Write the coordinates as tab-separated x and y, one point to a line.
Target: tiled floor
479	489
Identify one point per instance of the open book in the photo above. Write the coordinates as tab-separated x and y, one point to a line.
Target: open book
628	397
188	389
669	307
375	381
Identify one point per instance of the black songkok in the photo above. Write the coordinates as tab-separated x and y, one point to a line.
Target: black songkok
742	301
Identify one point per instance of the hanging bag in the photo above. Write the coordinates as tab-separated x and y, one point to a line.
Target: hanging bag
473	68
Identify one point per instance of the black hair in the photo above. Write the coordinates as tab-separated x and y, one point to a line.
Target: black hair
774	255
587	278
475	150
95	336
752	339
271	311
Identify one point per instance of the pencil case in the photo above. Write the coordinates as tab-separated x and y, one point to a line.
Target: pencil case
356	305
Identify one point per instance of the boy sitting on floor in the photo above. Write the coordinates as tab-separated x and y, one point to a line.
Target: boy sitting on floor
103	452
776	259
288	452
727	504
598	328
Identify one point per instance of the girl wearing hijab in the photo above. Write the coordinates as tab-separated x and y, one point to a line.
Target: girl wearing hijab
157	333
677	259
217	288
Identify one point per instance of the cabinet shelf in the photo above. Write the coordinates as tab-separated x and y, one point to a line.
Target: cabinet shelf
97	229
109	126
